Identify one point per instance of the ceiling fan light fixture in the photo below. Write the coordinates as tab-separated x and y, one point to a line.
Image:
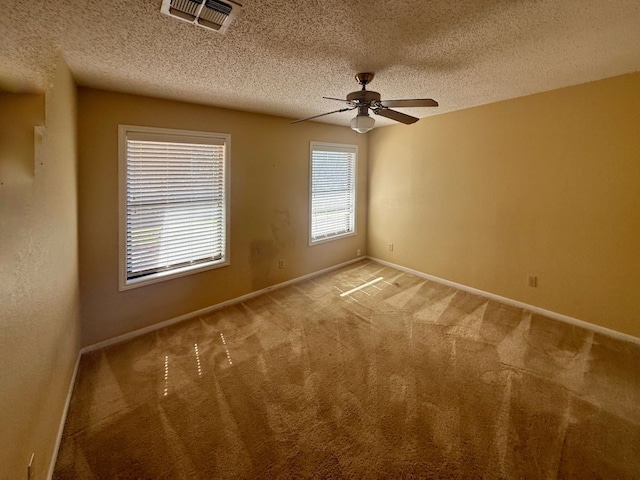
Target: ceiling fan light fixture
362	123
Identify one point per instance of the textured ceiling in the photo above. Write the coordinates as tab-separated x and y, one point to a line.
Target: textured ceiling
281	57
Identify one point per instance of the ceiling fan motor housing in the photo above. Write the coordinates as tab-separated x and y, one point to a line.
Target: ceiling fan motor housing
363	97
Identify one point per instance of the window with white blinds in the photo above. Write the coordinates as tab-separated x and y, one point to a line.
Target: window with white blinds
173	203
333	191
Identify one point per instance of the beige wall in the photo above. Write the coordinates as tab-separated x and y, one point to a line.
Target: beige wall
39	300
268	219
547	185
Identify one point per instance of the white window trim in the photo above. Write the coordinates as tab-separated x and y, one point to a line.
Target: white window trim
336	147
124	283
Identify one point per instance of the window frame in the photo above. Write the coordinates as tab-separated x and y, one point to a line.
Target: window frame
166	134
335	147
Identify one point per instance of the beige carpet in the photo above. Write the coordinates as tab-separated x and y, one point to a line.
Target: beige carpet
404	378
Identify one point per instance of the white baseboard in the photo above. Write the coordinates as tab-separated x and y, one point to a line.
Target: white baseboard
515	303
63	418
211	308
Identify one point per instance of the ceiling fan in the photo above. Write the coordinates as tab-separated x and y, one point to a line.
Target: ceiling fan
365	100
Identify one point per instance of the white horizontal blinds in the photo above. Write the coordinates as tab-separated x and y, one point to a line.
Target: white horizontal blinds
333	204
175	211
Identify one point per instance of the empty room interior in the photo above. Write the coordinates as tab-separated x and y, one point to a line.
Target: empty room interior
337	239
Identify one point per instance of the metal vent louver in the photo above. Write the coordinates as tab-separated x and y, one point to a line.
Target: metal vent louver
212	14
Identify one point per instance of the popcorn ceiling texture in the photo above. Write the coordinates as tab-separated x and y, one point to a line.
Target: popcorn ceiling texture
281	57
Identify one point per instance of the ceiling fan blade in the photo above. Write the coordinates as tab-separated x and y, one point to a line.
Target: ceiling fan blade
323	114
411	102
397	116
338	99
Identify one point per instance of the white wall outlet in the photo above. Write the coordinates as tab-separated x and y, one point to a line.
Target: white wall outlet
532	280
280	263
391	247
358	252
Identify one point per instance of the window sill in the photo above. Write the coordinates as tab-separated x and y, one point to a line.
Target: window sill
170	275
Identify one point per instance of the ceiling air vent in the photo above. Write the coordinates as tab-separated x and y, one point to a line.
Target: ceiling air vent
211	14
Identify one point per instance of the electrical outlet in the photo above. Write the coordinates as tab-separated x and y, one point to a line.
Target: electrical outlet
532	280
358	252
281	264
391	247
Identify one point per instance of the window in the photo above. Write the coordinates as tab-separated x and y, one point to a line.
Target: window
173	203
333	191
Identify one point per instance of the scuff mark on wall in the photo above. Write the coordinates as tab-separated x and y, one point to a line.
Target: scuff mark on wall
282	230
266	252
